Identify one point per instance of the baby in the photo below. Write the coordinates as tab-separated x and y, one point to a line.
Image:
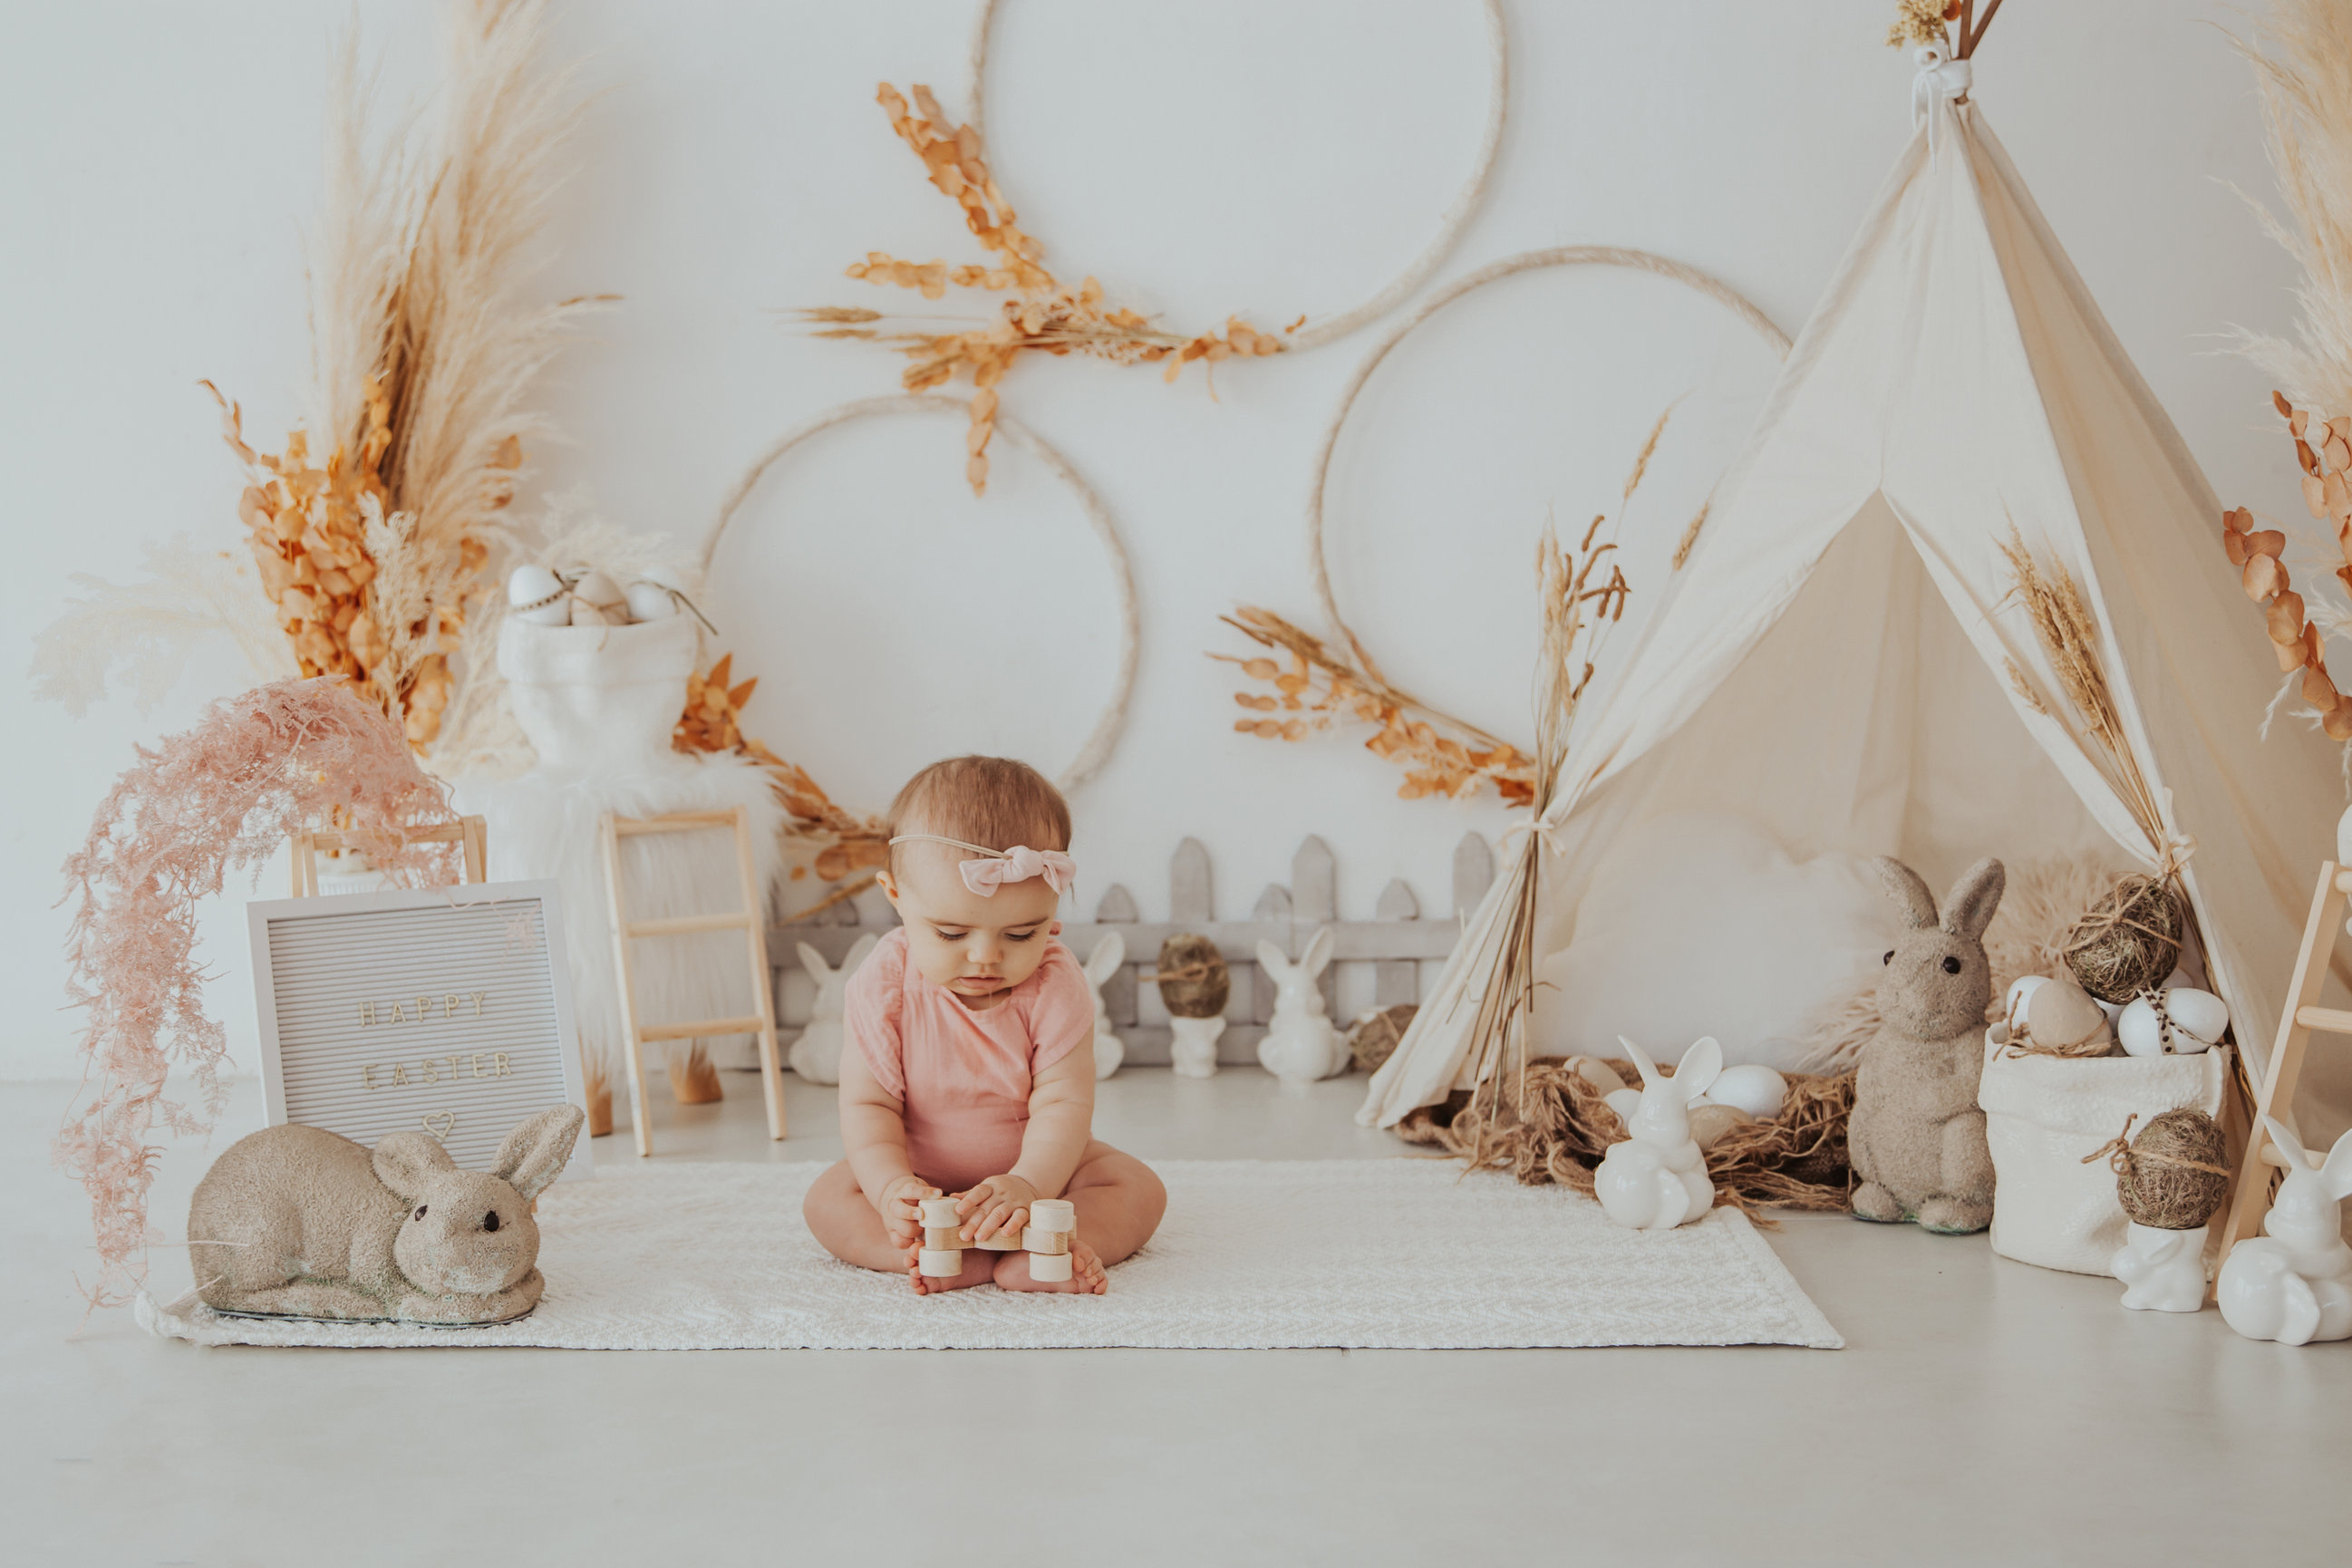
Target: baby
971	1064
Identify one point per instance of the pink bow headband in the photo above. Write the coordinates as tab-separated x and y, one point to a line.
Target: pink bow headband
998	866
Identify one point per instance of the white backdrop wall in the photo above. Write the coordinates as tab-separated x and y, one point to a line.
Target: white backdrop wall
1215	157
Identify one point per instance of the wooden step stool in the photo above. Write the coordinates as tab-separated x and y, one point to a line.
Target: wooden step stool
634	1035
2251	1198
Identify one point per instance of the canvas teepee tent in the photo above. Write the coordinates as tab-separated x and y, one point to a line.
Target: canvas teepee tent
1839	659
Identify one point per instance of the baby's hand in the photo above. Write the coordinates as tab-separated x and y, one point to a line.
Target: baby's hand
999	1203
900	1218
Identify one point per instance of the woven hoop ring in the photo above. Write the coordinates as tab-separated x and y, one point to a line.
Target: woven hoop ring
1713	288
1450	222
1099	744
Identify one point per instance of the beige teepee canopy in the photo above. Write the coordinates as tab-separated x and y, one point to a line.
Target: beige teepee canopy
1836	658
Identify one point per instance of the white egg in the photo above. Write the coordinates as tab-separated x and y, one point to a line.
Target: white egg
587	615
650	601
536	594
603	594
1750	1087
2012	1005
2140	1028
1709	1123
2198	1014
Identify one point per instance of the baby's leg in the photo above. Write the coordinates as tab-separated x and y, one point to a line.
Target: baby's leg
1119	1203
845	1223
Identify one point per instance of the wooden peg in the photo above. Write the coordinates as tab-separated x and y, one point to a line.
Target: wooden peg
1045	1243
1047	1267
942	1237
937	1263
1054	1213
941	1212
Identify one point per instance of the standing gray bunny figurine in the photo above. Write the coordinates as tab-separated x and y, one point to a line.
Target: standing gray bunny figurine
1917	1138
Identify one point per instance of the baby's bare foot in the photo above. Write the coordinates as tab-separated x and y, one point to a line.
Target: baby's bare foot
977	1268
1087	1276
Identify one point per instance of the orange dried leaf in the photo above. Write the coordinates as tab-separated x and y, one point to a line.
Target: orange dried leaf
2263	577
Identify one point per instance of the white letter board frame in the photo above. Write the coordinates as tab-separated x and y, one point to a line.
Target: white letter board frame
317	959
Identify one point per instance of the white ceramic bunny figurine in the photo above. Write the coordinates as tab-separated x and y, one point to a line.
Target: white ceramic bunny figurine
2293	1282
1656	1179
1300	1045
817	1054
1101	964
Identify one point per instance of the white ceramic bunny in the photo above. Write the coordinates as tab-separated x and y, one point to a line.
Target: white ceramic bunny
1656	1179
1300	1045
1101	964
817	1054
2162	1270
2293	1282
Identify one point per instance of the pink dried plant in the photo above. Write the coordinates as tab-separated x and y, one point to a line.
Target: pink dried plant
218	798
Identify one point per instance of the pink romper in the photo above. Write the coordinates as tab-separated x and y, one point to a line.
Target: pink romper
963	1076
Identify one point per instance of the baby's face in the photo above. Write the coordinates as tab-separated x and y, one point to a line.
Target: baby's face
979	948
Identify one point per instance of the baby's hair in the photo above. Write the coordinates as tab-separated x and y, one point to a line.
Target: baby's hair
993	801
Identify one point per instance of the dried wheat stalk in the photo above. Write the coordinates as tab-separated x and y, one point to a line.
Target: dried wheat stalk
712	722
1047	316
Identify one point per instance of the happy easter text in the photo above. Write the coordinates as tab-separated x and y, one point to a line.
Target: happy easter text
462	1065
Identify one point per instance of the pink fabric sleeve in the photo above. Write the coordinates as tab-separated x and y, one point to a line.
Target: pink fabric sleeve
1062	1017
872	1005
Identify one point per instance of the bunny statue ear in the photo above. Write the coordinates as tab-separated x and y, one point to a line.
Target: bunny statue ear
1700	1065
1317	953
1970	907
1641	1058
534	1154
1909	893
2335	1170
2297	1157
404	1162
1271	958
1107	955
814	961
859	951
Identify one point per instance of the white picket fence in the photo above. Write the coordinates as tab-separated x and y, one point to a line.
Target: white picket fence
1394	942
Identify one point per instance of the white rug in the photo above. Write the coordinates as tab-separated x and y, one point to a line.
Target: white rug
1366	1254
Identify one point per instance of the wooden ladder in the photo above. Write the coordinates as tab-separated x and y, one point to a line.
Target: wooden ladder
469	831
2252	1198
634	1035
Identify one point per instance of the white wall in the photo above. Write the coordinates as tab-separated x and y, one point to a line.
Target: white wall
1214	157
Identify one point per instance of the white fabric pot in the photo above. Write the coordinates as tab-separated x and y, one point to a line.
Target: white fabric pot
2044	1114
591	696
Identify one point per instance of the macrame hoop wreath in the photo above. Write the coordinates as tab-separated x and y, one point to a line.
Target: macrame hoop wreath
1099	744
1450	224
1713	288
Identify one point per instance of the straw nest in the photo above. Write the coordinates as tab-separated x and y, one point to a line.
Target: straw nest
1376	1035
1563	1125
2128	941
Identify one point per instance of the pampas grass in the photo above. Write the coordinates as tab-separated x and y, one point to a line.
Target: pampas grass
142	633
2302	59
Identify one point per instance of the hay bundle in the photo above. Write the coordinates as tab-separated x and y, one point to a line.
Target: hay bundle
1376	1035
2128	941
2174	1175
1796	1159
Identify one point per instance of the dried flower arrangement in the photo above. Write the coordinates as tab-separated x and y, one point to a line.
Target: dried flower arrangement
1924	21
372	528
1442	755
1047	316
2305	84
847	843
223	797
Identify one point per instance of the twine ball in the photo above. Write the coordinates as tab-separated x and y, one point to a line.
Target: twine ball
2128	941
1376	1035
1195	981
2166	1195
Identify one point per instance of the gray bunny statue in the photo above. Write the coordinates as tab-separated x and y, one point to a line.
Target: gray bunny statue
297	1222
1917	1138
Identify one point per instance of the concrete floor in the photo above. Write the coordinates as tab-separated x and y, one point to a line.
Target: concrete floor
1984	1412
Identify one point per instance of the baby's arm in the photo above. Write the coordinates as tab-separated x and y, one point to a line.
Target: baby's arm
1061	1124
873	1135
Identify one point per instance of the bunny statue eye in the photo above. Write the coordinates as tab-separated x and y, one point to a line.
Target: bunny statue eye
420	1212
491	1220
1889	958
1951	964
